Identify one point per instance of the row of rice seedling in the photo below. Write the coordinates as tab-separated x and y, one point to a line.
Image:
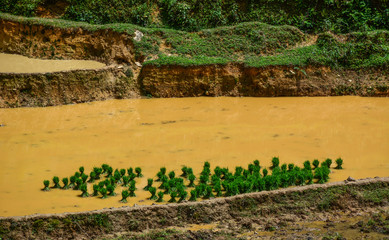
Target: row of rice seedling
219	182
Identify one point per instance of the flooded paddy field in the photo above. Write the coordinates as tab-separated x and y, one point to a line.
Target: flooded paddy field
39	143
11	63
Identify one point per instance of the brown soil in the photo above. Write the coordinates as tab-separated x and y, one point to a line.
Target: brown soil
67	87
265	211
272	81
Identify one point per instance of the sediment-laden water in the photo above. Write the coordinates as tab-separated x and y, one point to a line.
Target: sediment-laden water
39	143
11	63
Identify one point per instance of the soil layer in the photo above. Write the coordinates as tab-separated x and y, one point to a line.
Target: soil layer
263	210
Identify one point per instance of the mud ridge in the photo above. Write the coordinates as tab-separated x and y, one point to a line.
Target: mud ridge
297	203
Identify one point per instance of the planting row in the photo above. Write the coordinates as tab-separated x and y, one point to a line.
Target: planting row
208	184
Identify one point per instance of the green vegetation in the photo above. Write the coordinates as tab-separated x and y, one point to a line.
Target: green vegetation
56	182
125	195
46	184
339	163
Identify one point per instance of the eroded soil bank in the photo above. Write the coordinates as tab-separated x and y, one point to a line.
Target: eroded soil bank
262	211
272	81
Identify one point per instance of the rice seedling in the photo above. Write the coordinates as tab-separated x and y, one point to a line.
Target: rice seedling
138	171
65	182
46	184
84	190
160	196
56	182
152	191
125	195
149	184
339	163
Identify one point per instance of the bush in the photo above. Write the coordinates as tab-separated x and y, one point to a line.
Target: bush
84	190
46	184
152	191
65	182
275	162
160	196
315	163
149	184
125	195
339	163
56	182
138	171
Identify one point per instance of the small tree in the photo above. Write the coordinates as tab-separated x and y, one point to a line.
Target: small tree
78	184
184	170
172	174
96	190
307	165
138	171
46	184
315	163
193	195
111	190
84	190
122	172
84	177
275	162
81	169
173	196
152	191
191	178
182	195
328	162
65	182
72	181
103	192
132	189
264	172
149	184
92	177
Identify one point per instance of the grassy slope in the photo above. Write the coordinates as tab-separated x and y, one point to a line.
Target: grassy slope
254	44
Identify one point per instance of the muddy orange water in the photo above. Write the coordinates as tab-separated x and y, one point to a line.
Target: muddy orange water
11	63
39	143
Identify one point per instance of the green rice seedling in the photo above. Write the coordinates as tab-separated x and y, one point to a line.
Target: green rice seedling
152	191
109	172
238	171
117	177
284	167
138	171
46	184
84	177
315	163
149	184
96	189
125	195
65	182
111	190
130	171
105	168
98	171
329	162
264	172
72	181
204	179
182	195
126	180
56	182
191	178
193	195
92	177
160	196
172	174
184	170
103	192
84	190
339	163
78	184
275	162
290	167
173	196
81	170
77	174
218	190
307	165
122	172
132	189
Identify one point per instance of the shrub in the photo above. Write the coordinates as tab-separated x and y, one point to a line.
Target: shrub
126	180
104	167
81	169
204	179
46	184
122	172
218	190
84	190
160	196
130	171
152	191
328	162
173	196
132	189
72	181
307	165
109	172
184	170
208	192
290	166
56	182
149	184
65	182
125	195
182	195
315	163
138	171
98	171
172	174
275	162
284	167
92	177
163	170
84	177
111	190
339	163
264	172
78	184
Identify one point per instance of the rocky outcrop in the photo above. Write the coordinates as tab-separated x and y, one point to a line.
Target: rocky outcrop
271	81
48	42
48	89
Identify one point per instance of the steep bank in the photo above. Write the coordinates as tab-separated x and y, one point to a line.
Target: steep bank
58	88
50	42
270	81
255	210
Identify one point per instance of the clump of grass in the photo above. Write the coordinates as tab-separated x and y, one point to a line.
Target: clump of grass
339	163
149	184
125	195
138	171
152	191
56	182
65	182
315	163
160	196
46	184
84	190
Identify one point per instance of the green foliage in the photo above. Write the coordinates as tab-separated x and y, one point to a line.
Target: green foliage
132	189
149	184
56	182
96	189
46	184
125	195
84	190
138	171
339	163
152	191
275	162
193	195
81	169
65	182
160	196
315	163
103	192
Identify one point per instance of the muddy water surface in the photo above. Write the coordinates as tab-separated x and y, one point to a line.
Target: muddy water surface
11	63
38	143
